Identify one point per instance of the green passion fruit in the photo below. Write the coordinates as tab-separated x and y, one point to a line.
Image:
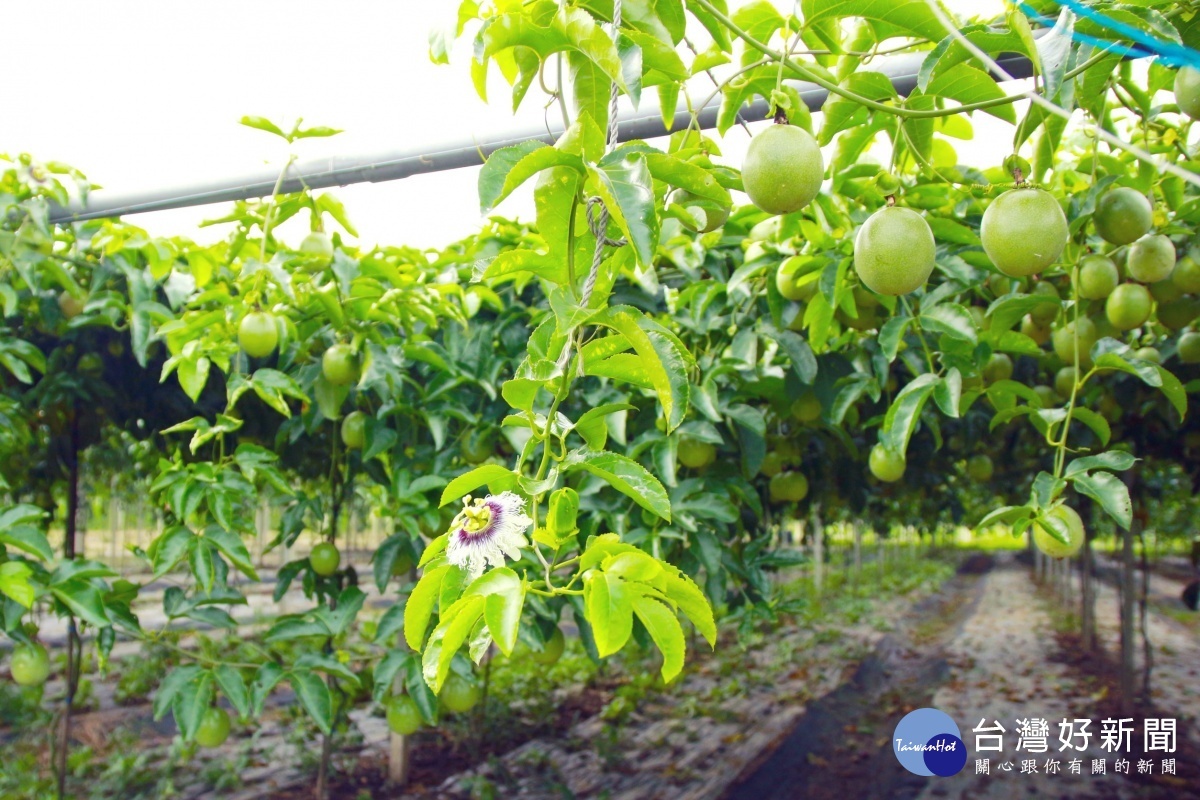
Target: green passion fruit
1187	91
1024	231
886	464
894	251
695	454
1098	277
1151	259
788	487
258	334
1052	546
1123	215
1128	306
783	169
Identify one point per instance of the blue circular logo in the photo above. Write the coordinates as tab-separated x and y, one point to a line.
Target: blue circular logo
927	742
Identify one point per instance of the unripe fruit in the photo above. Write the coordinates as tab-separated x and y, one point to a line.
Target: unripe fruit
70	305
1187	91
807	407
886	465
459	695
1151	258
1064	381
1123	215
1165	291
1040	334
783	169
1097	277
1189	348
998	368
325	559
695	454
1045	314
1150	354
1186	275
1179	314
793	284
30	664
258	334
213	729
354	430
339	365
1128	306
714	216
1048	396
980	468
1064	340
772	465
1051	546
788	487
318	247
403	716
894	251
1023	231
552	651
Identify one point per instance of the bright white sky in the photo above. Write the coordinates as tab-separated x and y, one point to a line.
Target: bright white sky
143	94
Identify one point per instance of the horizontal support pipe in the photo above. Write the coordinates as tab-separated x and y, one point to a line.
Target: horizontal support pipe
398	164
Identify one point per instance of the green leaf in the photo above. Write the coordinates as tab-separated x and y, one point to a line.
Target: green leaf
683	592
950	319
314	696
609	611
1174	390
592	425
84	600
171	686
968	84
385	672
505	598
1098	424
14	582
1004	515
1113	459
1110	492
192	703
804	363
688	176
661	361
233	685
450	635
263	124
419	607
626	476
496	477
269	676
627	189
664	629
29	539
509	167
905	412
233	548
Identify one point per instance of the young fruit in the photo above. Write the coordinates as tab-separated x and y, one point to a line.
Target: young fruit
1048	396
318	247
403	716
339	365
70	305
1128	306
1186	275
1097	277
1150	354
998	368
1123	215
980	468
1166	291
552	651
772	465
30	664
695	454
807	407
1151	258
1064	381
788	487
714	215
1189	348
1039	333
213	729
458	694
894	251
1179	314
325	559
258	334
1051	546
354	430
1081	335
885	464
783	169
1045	314
1187	91
475	447
1023	231
793	284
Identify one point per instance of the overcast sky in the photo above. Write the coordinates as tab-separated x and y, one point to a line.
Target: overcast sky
143	94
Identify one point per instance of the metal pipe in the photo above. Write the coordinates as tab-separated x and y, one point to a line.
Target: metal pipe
396	164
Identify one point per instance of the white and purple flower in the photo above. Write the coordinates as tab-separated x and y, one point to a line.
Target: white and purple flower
486	531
